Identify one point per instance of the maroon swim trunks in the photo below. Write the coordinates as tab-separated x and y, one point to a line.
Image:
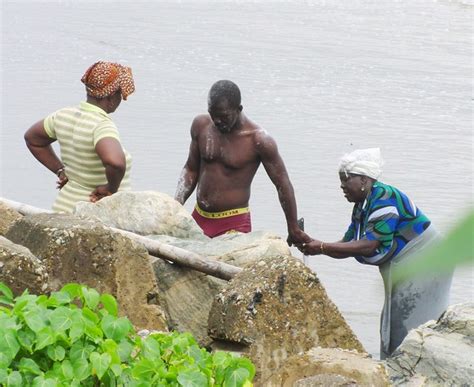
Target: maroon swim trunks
217	223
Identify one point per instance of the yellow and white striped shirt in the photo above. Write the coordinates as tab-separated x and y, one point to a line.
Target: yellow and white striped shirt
78	130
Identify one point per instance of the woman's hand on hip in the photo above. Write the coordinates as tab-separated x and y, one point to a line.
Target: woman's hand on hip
62	180
100	192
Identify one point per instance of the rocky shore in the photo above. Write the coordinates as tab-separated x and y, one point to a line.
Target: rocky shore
274	309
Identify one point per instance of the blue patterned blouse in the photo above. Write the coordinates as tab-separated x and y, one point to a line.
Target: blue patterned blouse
389	216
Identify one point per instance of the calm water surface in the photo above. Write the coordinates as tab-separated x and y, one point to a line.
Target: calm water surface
323	77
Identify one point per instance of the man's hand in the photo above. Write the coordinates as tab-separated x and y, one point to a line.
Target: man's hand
62	180
100	192
297	237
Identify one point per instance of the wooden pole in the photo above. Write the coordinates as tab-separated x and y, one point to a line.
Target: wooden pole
157	249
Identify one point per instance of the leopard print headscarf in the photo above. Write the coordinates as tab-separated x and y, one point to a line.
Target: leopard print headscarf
103	79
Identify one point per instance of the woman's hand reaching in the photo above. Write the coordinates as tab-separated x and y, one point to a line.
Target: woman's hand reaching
314	247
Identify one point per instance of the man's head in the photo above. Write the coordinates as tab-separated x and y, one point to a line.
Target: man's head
109	83
224	105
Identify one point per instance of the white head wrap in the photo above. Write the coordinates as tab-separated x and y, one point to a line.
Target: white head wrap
366	162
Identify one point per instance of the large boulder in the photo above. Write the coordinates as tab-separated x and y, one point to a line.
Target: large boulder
329	367
144	213
189	313
20	269
276	308
437	353
186	297
84	251
8	216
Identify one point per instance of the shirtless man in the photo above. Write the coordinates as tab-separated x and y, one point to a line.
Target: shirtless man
225	152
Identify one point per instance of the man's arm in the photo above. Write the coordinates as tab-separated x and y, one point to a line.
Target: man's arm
190	173
112	156
276	170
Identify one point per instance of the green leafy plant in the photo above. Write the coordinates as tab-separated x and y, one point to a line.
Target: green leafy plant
74	337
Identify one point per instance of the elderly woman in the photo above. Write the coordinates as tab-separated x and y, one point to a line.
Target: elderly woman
387	229
93	163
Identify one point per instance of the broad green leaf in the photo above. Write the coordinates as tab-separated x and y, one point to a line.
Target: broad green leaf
151	348
60	319
56	352
3	375
243	362
125	349
35	319
44	338
115	328
80	351
91	297
144	369
67	370
19	306
82	369
77	326
41	381
9	344
182	342
192	378
42	299
26	338
8	294
221	361
59	298
8	322
27	365
100	363
110	304
111	347
89	316
74	290
14	379
196	353
91	328
4	361
236	377
221	358
116	369
93	332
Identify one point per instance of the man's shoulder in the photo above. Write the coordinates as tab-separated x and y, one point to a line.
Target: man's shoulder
201	120
262	137
200	123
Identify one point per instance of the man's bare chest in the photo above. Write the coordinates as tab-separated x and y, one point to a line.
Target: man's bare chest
232	151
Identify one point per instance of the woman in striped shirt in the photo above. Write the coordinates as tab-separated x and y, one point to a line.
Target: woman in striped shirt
93	163
387	229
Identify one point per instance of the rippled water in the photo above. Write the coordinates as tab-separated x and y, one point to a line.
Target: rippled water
323	77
